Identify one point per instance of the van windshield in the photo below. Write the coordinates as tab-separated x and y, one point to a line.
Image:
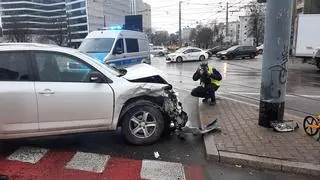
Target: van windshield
96	45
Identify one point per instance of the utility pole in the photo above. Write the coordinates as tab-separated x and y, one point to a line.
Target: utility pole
180	33
227	19
275	58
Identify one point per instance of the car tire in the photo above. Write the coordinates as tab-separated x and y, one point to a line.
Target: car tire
202	58
161	54
260	51
222	58
179	59
143	124
230	57
252	56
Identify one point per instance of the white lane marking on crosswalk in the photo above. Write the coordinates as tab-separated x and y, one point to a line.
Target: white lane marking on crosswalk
159	170
28	154
88	162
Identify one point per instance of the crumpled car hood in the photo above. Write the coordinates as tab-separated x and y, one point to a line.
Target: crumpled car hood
142	70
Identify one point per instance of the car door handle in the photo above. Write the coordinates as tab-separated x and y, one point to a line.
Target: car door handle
46	91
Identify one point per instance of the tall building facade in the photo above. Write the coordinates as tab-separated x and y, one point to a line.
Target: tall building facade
234	32
37	16
144	9
245	39
48	17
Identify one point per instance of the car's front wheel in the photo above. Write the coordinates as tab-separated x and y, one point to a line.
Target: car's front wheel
142	124
179	59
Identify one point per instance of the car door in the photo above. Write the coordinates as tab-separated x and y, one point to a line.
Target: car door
67	100
118	53
132	52
196	54
240	51
187	55
18	104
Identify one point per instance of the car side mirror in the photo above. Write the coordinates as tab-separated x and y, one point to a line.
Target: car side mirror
117	51
96	77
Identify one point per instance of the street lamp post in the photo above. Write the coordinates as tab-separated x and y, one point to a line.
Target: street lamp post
275	58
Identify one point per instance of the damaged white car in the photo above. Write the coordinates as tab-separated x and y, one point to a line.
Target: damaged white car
50	90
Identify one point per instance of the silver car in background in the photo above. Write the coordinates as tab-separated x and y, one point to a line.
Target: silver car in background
158	50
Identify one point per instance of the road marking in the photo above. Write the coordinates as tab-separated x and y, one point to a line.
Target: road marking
88	162
158	170
28	154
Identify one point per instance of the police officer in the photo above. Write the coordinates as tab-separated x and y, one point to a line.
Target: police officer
209	83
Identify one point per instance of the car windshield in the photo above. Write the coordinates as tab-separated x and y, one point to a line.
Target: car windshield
96	45
114	70
232	48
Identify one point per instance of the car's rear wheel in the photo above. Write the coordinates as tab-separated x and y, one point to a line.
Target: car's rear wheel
142	124
252	56
179	59
161	54
202	58
318	63
260	51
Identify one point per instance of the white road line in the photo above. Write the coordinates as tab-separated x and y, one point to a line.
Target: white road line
28	154
159	170
88	162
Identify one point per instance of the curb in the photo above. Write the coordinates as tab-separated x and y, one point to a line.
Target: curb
257	162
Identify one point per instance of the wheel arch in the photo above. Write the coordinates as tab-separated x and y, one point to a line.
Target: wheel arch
140	100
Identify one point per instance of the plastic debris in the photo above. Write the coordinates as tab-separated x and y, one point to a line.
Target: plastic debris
238	166
285	126
156	155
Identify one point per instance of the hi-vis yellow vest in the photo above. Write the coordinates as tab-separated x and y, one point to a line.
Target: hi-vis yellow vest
213	81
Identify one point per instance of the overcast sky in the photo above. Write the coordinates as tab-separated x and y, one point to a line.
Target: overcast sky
165	13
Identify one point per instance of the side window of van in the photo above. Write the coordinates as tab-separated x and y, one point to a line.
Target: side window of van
119	45
132	45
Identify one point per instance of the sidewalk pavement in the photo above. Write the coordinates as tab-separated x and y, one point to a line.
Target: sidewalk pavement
243	142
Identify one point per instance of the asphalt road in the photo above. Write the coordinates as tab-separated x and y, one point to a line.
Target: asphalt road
239	76
242	79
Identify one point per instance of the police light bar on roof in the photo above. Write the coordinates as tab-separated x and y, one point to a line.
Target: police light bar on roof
111	28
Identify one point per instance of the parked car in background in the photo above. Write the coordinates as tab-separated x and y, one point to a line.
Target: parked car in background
158	50
238	51
42	94
316	57
260	49
187	54
216	49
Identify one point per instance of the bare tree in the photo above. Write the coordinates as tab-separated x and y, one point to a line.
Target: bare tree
205	37
61	35
173	38
17	30
256	22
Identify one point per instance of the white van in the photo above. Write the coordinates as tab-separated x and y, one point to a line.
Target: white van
120	48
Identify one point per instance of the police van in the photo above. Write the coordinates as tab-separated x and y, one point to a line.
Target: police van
120	48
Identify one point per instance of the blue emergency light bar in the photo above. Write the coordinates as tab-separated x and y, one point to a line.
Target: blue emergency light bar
111	28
